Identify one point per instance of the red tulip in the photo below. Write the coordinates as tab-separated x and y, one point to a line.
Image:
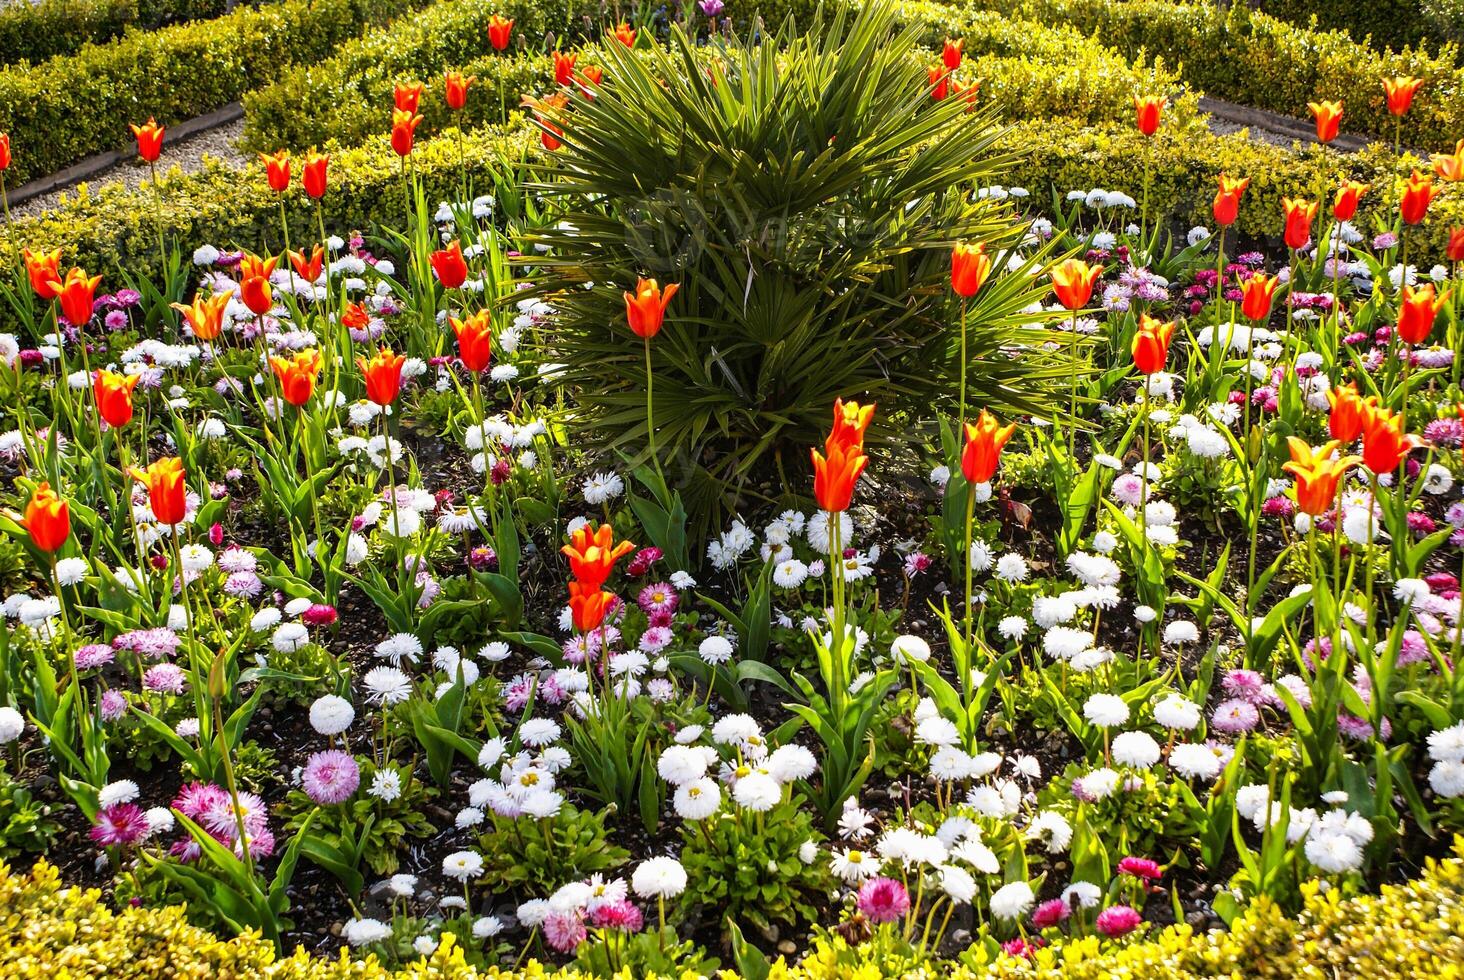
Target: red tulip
950	55
1329	119
1227	200
1147	110
499	30
1400	92
450	266
970	267
312	175
77	296
4	151
42	269
383	375
47	520
277	170
645	309
149	140
1300	214
1151	344
1417	311
403	129
1345	205
113	395
1256	294
475	340
1418	193
564	68
167	491
984	442
1072	281
456	88
405	96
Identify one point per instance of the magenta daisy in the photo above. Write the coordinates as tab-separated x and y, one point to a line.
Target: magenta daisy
330	777
120	825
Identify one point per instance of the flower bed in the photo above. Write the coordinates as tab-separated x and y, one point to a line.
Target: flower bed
758	509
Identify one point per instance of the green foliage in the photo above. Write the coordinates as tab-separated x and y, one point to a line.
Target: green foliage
1386	23
26	825
1261	61
535	857
745	867
805	200
340	99
35	31
69	107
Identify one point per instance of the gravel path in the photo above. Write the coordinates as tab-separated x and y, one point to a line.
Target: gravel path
186	154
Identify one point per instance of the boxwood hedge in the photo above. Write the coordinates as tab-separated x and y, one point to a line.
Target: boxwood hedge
35	31
65	109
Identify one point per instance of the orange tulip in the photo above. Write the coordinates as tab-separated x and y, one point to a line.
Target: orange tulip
984	442
590	78
1400	92
167	490
950	55
1329	119
645	309
405	96
1317	474
309	268
564	68
625	34
254	288
297	375
312	175
403	130
1417	311
149	140
277	170
47	520
499	30
1151	344
1449	166
940	82
383	375
588	606
968	92
1345	204
43	269
1227	200
1147	110
1255	295
456	86
970	266
1455	249
77	295
1072	281
1418	193
475	340
1384	444
355	317
113	394
4	151
834	477
205	316
1349	413
1300	214
851	421
449	265
593	553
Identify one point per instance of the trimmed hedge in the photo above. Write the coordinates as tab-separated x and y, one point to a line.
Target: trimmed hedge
34	31
347	97
64	110
1258	60
1412	931
1395	24
117	228
1029	69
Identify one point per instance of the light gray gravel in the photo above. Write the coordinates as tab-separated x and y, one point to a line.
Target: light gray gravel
186	154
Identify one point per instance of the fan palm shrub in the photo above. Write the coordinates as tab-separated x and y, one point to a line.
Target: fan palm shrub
805	190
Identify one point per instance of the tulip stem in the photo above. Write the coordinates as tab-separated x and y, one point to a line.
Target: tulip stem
1073	404
961	423
963	664
651	419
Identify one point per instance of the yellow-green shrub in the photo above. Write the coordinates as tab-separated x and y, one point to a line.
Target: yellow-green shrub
1412	931
1261	61
346	97
70	107
117	228
1030	70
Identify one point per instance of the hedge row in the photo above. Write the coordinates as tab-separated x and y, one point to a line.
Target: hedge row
68	108
34	31
1394	24
1029	69
1258	60
116	229
346	97
1412	931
